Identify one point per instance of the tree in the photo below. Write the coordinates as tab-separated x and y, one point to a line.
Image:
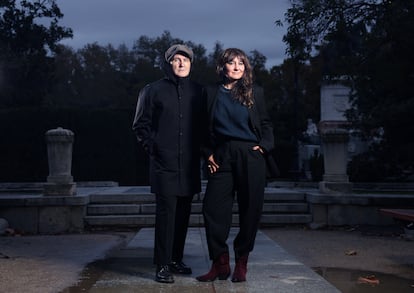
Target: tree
372	42
258	62
65	91
215	55
27	46
153	49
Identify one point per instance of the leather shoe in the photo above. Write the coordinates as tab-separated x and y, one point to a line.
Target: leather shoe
163	274
178	267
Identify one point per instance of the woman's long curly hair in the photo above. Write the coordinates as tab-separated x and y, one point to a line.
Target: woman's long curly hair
243	89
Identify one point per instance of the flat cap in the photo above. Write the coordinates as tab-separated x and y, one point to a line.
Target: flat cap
178	48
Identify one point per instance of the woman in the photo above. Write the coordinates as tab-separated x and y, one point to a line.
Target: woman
240	135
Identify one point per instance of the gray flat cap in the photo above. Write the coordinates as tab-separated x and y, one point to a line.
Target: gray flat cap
178	48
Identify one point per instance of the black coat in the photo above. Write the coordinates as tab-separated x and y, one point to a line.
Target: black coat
167	123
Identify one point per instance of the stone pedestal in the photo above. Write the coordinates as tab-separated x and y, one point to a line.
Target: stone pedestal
307	152
59	150
335	149
334	133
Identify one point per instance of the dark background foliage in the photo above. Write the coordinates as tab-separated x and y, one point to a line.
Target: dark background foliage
92	91
104	146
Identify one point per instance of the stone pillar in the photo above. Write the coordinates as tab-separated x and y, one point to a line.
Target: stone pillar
59	151
335	151
334	134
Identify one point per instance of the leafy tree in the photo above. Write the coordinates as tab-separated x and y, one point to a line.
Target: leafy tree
152	51
215	55
372	42
94	89
68	71
153	48
27	45
100	87
258	62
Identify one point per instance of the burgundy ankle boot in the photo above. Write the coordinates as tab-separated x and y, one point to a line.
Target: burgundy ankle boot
239	274
220	269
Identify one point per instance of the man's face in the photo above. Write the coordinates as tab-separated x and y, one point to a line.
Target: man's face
181	65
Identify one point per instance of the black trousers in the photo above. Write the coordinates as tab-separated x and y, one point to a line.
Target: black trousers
242	173
171	225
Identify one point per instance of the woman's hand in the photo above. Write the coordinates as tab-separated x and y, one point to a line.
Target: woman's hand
258	148
212	165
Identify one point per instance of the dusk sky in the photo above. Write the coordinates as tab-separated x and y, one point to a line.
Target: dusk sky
246	24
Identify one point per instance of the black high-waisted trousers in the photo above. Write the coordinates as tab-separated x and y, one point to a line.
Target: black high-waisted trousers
241	173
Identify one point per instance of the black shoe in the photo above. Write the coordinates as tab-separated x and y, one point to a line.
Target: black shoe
163	274
178	267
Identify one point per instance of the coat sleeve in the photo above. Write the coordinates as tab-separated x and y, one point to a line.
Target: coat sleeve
142	124
267	137
266	127
208	139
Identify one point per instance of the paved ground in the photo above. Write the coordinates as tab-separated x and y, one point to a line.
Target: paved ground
53	263
343	255
49	263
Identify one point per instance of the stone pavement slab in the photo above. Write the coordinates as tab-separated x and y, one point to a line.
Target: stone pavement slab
49	263
270	269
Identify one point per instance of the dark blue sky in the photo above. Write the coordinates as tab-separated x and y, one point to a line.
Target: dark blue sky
246	24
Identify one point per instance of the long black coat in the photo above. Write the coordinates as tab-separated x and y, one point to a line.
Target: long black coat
168	125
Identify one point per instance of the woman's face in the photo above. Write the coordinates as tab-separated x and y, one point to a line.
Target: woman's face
234	69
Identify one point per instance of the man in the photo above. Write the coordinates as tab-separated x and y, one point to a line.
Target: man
167	124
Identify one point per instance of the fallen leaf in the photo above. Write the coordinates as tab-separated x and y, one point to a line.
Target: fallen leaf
371	280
